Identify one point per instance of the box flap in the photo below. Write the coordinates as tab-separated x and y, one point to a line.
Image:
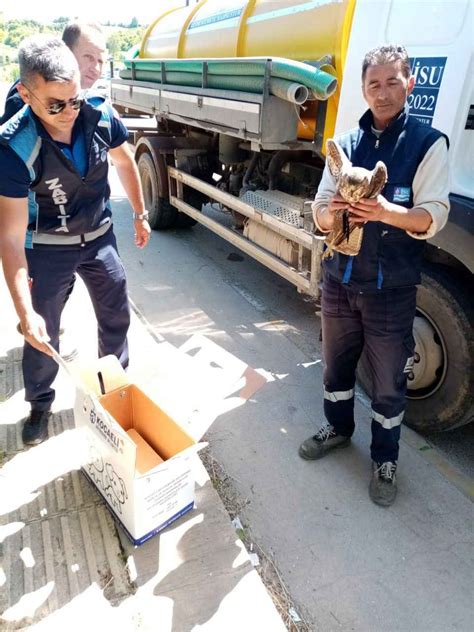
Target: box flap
166	465
99	377
102	376
198	382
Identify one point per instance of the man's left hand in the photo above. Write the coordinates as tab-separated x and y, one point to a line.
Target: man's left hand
142	232
370	210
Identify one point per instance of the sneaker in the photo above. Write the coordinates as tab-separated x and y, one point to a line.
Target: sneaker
383	486
325	440
35	428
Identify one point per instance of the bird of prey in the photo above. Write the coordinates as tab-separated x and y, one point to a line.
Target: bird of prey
353	184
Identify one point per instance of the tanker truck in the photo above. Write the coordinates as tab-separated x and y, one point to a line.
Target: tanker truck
244	94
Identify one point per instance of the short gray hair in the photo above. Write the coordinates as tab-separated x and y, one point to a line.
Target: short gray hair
48	57
387	55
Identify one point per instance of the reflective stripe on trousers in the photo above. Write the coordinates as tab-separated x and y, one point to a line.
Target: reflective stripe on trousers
390	422
338	396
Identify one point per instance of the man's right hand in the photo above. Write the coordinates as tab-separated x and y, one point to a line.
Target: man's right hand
34	330
326	217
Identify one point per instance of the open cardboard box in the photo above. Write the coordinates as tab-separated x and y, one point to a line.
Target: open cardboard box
106	407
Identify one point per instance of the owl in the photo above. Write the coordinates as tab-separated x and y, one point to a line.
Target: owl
353	184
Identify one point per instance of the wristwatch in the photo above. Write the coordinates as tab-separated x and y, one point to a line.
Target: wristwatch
143	215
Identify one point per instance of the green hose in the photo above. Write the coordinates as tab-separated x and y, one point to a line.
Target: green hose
287	90
320	83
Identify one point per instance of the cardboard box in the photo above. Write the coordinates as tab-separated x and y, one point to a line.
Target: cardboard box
106	407
147	457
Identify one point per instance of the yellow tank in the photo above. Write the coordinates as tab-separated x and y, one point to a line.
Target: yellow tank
304	30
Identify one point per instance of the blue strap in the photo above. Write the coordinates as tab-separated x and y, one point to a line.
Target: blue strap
379	277
348	270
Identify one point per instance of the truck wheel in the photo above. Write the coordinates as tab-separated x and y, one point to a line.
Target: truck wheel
440	388
162	214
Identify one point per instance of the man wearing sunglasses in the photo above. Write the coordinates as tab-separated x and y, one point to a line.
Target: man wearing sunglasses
54	190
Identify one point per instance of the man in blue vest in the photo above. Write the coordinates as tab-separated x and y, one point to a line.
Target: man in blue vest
369	300
54	190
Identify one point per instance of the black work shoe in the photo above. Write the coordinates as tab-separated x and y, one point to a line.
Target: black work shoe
35	428
325	440
383	486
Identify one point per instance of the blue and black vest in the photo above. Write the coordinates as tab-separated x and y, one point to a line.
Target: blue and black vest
60	200
388	257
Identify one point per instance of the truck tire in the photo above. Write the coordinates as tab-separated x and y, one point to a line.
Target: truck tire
162	214
440	389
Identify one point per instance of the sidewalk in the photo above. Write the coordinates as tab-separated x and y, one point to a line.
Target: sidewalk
64	564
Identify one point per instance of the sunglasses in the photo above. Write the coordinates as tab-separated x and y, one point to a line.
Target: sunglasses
59	106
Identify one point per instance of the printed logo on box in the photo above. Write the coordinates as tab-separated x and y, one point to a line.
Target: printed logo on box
106	431
428	73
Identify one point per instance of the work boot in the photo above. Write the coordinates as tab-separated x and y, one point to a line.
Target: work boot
35	428
325	440
383	486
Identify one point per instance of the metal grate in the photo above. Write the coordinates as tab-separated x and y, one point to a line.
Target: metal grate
288	208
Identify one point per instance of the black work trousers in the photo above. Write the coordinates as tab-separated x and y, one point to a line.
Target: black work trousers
51	270
381	323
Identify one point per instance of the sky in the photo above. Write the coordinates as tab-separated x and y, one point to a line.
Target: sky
124	10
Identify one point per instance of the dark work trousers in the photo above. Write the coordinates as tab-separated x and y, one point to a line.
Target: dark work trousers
380	322
51	269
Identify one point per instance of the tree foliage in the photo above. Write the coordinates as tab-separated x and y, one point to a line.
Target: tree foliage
14	31
122	41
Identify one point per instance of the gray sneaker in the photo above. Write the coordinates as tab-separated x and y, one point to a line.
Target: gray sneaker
383	486
325	440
